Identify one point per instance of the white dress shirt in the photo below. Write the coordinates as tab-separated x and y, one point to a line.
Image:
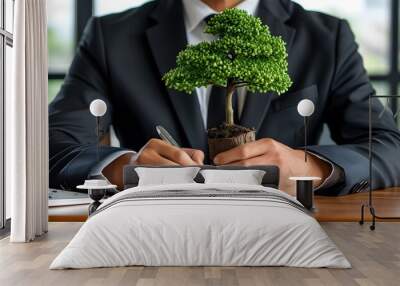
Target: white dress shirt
195	11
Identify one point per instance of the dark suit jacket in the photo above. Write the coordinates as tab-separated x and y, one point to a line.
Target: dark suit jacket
122	57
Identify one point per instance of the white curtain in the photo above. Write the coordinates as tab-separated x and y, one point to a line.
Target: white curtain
26	123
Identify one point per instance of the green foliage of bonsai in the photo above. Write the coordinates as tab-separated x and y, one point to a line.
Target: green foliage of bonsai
244	53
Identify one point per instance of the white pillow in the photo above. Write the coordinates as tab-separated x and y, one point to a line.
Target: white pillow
166	176
246	177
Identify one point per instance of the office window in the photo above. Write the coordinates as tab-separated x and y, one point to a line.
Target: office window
6	43
61	41
60	34
381	87
102	7
375	24
370	21
54	88
9	11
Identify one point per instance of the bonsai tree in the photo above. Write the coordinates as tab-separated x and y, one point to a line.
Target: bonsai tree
244	53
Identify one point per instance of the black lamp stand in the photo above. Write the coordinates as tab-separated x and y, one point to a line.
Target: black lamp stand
370	204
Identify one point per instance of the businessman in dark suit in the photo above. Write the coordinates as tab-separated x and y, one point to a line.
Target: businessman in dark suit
122	57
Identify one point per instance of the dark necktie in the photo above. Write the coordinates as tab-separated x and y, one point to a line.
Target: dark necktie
216	107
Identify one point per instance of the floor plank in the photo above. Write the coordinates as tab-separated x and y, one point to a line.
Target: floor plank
375	257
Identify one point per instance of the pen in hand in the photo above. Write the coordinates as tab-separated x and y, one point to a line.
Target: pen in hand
191	156
164	135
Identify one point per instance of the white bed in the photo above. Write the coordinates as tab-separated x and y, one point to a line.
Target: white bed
201	225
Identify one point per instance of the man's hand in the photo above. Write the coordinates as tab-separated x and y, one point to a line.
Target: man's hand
270	152
158	152
155	152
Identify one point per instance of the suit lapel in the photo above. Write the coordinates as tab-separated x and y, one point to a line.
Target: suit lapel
257	104
166	39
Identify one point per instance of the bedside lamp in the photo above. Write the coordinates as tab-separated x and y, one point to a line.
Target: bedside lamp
304	185
98	108
305	108
97	188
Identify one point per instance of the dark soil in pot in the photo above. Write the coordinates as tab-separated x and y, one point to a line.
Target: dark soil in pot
226	137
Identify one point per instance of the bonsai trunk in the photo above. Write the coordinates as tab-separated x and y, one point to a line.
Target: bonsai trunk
228	135
228	105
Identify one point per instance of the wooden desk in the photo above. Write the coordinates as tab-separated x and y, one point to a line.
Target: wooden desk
347	208
328	209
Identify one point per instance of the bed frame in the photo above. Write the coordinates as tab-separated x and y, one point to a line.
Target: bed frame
270	179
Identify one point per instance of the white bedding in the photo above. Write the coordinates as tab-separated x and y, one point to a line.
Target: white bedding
220	226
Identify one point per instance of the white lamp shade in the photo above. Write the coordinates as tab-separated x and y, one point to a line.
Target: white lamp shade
306	108
98	107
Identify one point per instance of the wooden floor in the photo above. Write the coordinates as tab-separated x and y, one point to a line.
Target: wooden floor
375	257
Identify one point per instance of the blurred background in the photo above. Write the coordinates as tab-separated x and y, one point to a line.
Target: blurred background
374	22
